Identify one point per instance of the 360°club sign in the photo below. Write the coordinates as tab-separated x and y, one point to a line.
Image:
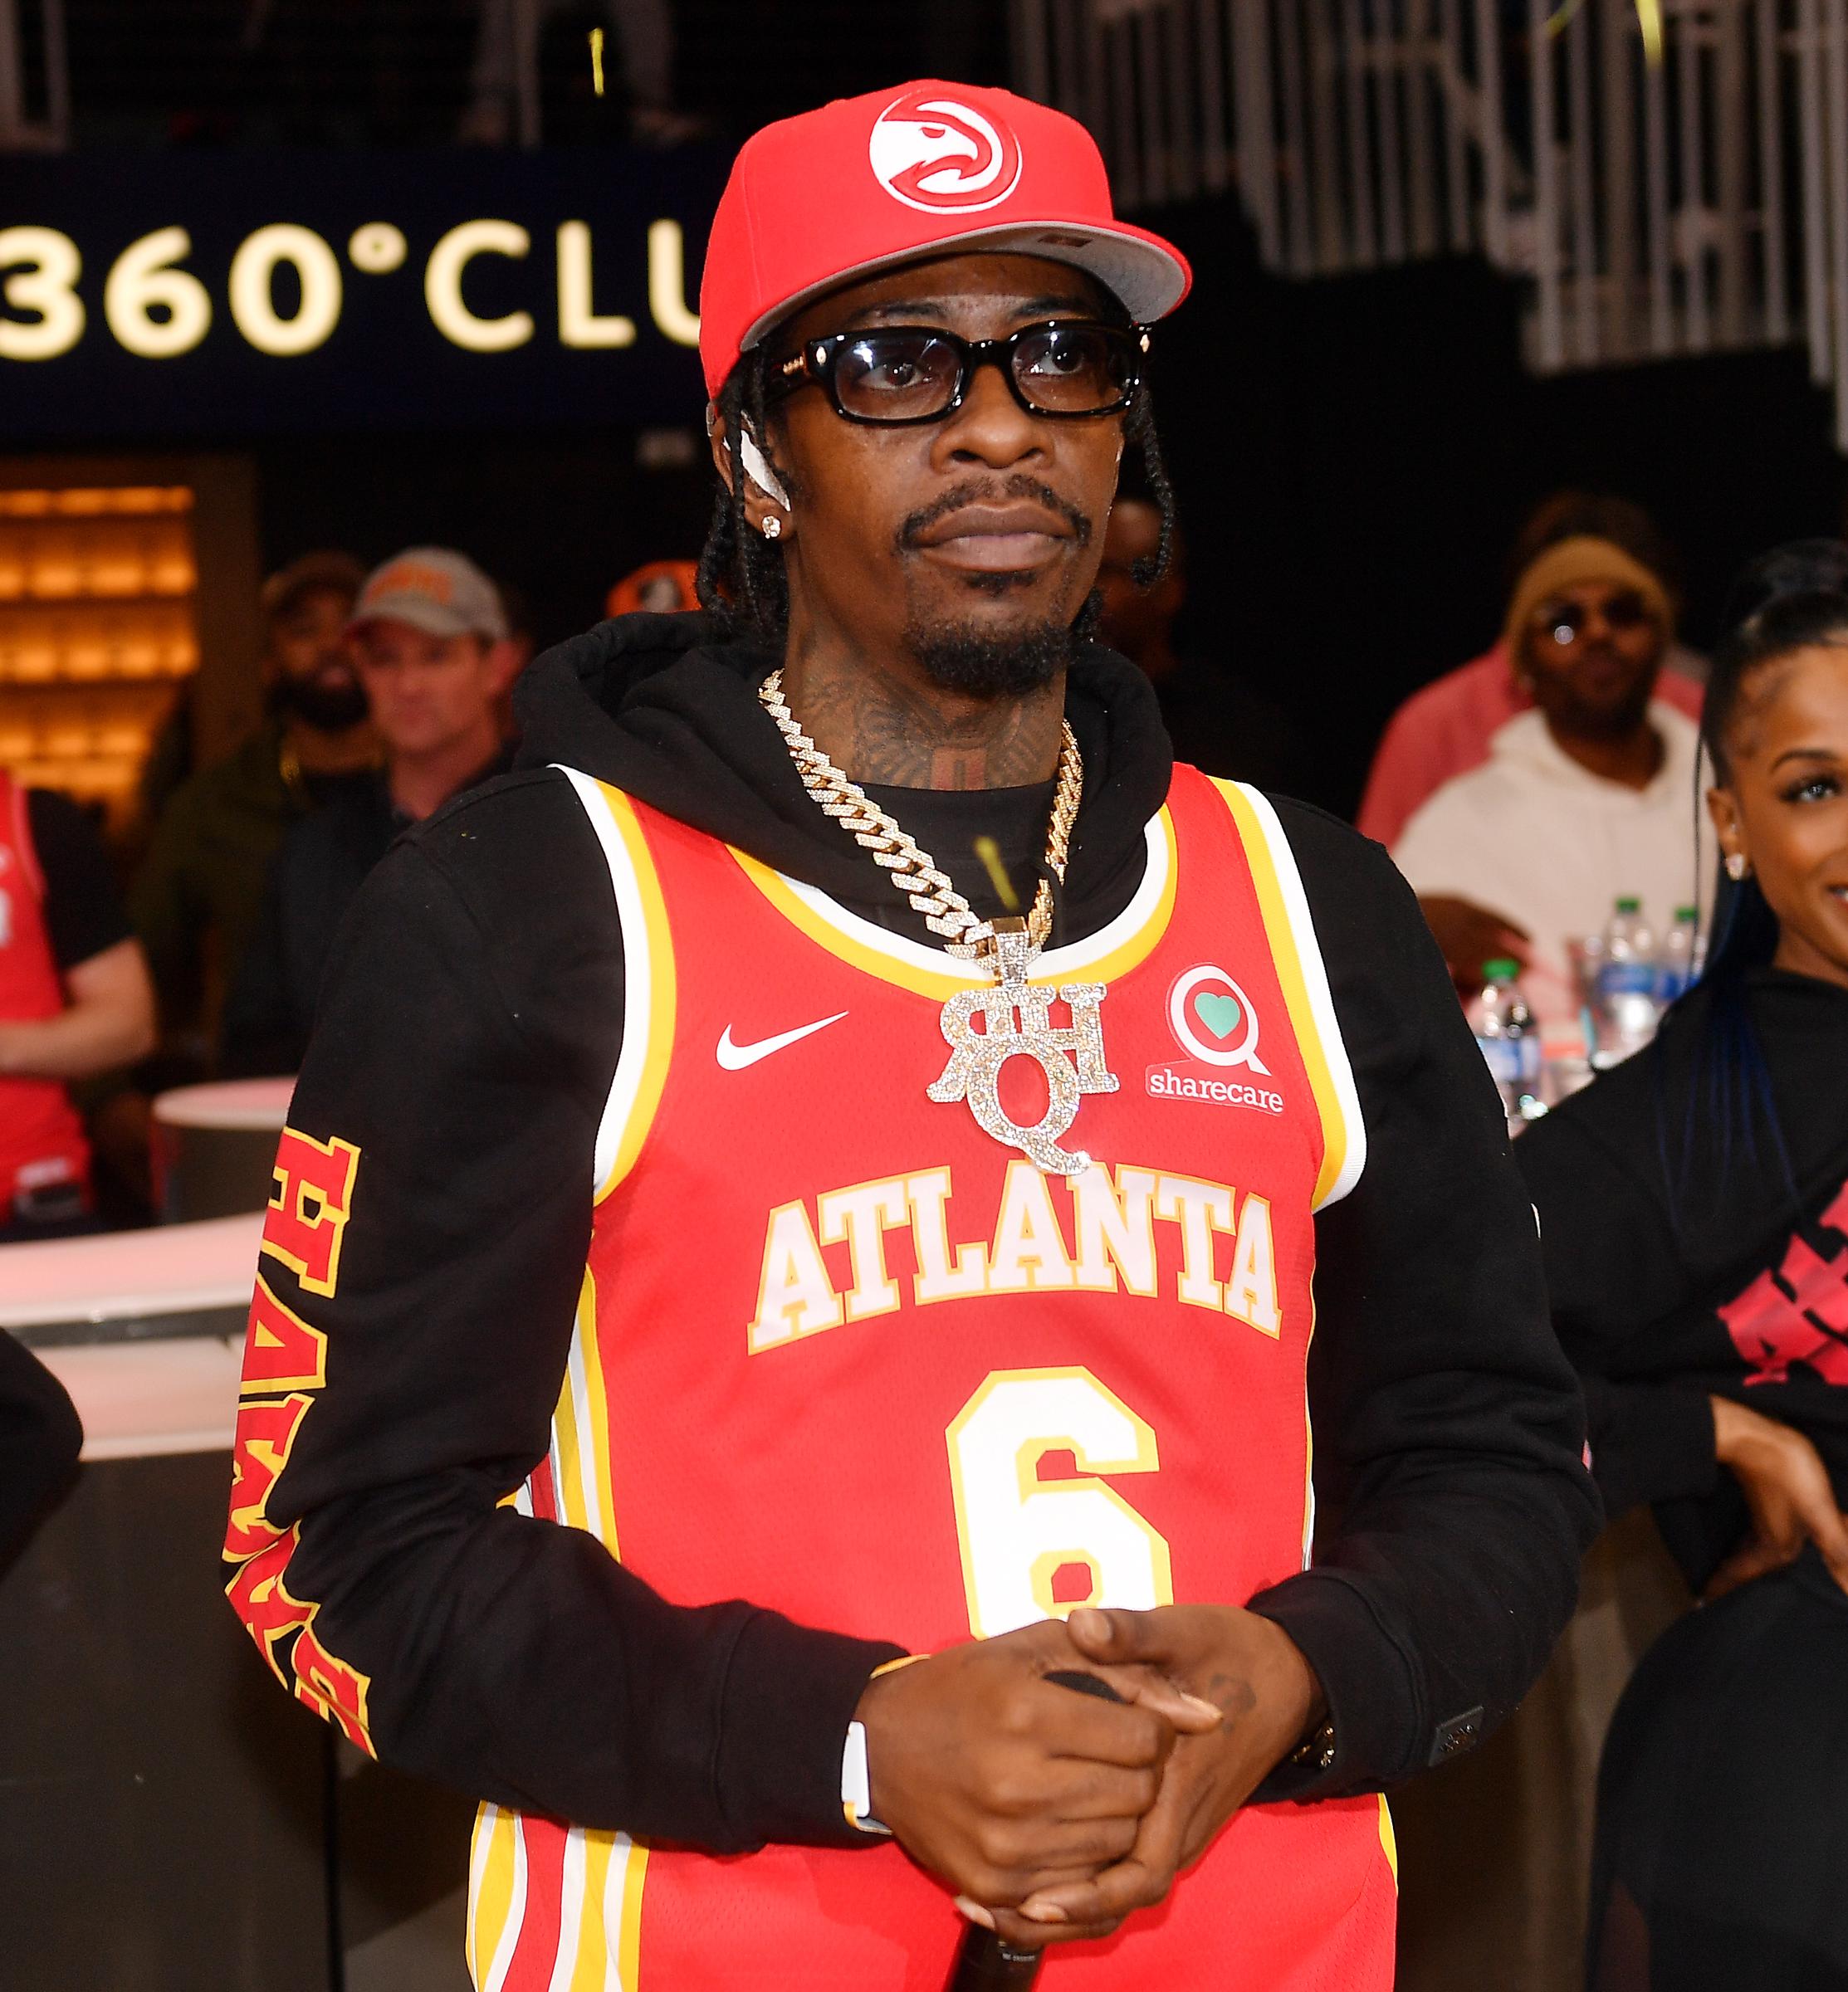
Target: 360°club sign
157	308
385	299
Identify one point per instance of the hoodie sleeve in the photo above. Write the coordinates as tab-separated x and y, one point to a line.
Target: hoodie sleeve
416	1291
40	1438
1448	1431
1612	1265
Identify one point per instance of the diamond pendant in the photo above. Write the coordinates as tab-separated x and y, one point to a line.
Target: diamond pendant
1016	1022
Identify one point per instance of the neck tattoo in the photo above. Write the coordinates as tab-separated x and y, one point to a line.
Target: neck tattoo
1016	1016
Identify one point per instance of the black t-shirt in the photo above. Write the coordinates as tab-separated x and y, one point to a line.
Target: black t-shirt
1684	1260
83	908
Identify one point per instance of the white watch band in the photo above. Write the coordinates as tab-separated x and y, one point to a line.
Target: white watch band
856	1784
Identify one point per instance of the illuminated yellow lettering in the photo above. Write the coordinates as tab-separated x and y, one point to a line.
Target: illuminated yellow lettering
442	276
141	282
48	286
578	322
253	303
668	284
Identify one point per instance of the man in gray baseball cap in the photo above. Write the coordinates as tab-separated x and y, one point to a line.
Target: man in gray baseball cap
428	638
434	590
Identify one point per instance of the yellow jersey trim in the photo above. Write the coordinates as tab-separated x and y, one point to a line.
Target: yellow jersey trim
1297	957
1113	951
1389	1840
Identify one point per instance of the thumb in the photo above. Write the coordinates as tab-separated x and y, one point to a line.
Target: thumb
1829	1531
1133	1642
1741	1567
1115	1635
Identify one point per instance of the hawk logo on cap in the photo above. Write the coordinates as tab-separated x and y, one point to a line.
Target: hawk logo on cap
936	154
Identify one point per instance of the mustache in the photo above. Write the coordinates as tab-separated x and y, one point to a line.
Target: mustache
985	491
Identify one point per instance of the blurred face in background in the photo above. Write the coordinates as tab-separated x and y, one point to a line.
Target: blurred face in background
429	694
1591	658
311	671
1784	804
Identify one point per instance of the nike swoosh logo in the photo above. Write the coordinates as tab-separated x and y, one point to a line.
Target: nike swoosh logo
735	1057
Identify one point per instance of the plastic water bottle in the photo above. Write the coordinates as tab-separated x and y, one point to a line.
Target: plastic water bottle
1510	1041
1626	1003
1676	965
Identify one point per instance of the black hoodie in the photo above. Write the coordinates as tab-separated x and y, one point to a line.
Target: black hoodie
466	1042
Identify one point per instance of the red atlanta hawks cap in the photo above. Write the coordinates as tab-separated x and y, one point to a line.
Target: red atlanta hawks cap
868	182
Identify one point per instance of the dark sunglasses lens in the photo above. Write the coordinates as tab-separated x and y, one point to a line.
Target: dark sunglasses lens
1074	369
895	376
1626	611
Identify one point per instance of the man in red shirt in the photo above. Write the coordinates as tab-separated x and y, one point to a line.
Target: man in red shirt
74	1000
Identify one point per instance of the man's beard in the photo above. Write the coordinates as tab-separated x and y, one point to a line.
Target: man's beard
327	701
1586	720
965	657
983	664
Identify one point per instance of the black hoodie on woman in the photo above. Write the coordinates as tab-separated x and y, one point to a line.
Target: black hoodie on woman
1687	1256
466	1042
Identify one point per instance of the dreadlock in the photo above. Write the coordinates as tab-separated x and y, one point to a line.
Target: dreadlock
740	574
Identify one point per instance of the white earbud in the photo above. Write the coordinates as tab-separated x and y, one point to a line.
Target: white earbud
758	470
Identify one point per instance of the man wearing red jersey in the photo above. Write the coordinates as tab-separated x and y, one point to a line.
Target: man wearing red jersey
831	1242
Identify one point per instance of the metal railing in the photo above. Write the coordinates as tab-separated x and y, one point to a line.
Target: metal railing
1687	206
35	77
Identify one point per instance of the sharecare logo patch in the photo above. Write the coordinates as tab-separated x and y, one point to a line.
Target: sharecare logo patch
1214	1020
1178	1083
941	156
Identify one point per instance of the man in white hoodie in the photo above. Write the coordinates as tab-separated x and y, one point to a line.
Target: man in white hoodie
1589	796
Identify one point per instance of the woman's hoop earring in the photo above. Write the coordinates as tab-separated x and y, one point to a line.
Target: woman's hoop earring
772	527
1735	866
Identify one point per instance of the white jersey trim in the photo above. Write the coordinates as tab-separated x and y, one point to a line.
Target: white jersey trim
638	978
1322	1001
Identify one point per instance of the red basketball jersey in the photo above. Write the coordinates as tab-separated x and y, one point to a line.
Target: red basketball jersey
41	1139
842	1352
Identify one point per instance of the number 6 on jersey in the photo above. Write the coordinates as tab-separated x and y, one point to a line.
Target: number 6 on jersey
1018	1532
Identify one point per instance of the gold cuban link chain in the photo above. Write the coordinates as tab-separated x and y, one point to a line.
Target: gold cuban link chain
947	913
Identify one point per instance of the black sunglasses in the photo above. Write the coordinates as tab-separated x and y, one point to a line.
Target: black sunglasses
895	374
1565	622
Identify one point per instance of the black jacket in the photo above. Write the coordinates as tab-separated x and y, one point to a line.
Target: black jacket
323	860
468	1036
40	1437
1683	1262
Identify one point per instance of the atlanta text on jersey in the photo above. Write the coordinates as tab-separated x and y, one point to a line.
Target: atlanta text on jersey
1130	1231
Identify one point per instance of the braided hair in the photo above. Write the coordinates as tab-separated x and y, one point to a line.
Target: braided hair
741	577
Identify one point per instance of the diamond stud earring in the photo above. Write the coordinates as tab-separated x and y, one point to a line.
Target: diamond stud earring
772	527
1735	866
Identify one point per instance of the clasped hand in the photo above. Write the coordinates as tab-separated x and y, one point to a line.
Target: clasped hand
1052	1815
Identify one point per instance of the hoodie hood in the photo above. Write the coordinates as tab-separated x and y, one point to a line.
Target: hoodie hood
664	707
